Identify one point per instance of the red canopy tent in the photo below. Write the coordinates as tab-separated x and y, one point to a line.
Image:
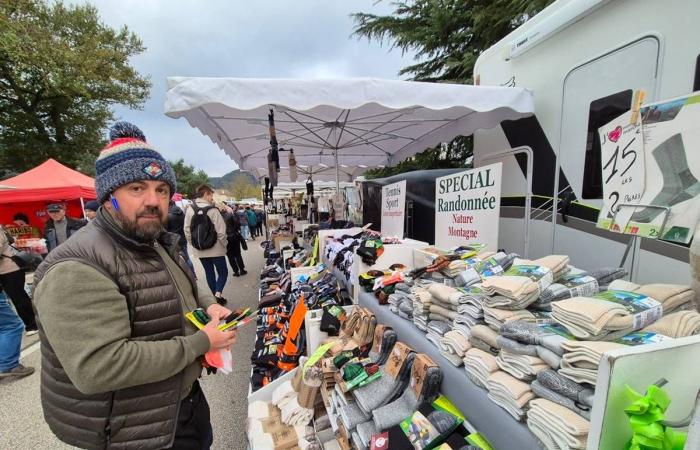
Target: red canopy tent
47	183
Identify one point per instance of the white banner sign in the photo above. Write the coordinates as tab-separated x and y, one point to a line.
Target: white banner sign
393	209
467	207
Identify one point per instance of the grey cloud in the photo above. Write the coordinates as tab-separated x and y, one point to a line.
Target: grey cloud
226	38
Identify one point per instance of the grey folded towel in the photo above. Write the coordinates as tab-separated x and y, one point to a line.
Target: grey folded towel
607	275
516	347
539	390
566	387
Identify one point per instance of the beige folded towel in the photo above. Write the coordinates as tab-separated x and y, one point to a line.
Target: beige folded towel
582	358
522	367
486	334
445	294
677	324
509	286
557	426
479	366
672	296
509	393
495	317
558	264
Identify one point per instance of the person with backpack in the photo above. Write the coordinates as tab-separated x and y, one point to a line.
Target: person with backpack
252	222
260	218
205	230
235	242
176	224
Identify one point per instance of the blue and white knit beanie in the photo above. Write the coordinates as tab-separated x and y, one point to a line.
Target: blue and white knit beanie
128	158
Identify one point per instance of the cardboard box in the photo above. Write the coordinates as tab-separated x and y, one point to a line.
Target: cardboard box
397	359
421	364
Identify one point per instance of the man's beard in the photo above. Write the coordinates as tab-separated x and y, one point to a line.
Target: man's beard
146	232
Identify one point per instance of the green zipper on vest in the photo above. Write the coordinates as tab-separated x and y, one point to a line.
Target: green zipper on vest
183	324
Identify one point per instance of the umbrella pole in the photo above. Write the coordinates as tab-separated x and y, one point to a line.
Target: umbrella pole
82	206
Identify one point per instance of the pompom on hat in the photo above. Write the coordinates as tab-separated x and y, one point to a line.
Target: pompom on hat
128	158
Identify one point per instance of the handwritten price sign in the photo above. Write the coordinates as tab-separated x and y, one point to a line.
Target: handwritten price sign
622	159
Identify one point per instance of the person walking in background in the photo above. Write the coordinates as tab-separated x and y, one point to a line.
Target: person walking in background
120	363
260	218
11	329
235	242
252	221
59	227
243	219
12	281
205	231
176	224
90	209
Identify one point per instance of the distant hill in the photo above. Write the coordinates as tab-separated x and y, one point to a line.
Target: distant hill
225	181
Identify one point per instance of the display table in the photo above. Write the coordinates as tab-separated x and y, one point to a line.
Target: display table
502	431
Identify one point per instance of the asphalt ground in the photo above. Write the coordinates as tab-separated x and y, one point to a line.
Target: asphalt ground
22	424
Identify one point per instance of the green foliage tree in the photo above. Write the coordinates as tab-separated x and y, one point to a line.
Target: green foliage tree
241	188
447	37
61	71
188	178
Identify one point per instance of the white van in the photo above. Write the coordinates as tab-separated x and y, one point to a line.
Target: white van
583	60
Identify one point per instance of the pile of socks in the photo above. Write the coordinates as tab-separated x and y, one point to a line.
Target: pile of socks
522	367
387	338
470	311
386	389
509	393
677	324
573	284
516	292
556	426
582	358
479	366
421	307
484	338
436	330
557	388
496	317
543	341
600	318
453	346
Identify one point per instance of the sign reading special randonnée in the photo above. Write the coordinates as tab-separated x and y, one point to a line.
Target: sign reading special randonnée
393	209
467	207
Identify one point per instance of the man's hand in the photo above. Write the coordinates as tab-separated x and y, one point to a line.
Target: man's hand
219	339
218	312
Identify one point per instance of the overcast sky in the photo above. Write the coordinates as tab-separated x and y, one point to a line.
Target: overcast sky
240	38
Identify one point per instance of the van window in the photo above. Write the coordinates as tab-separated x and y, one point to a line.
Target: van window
601	111
696	83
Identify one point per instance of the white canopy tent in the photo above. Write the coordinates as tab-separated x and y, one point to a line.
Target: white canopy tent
337	128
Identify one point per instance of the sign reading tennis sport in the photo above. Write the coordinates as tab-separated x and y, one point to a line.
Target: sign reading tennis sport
467	207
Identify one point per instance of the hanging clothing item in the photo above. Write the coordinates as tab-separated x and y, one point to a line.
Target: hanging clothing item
272	166
292	166
309	186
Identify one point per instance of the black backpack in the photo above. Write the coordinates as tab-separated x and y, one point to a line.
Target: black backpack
202	229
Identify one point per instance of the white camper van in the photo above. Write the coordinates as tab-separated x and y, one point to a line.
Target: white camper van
583	60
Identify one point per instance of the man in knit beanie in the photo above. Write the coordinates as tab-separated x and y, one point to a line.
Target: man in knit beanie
120	361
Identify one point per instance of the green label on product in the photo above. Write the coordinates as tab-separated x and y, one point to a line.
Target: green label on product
539	274
580	284
557	329
487	267
641	338
645	309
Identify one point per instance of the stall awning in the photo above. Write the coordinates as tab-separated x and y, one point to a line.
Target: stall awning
351	124
49	181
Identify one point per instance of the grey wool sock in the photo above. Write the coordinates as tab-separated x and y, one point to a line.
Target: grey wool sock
352	415
395	412
550	395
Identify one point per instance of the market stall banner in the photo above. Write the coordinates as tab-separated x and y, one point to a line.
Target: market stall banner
467	207
394	209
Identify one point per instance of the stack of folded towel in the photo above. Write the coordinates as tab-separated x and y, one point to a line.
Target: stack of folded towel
573	284
467	277
436	330
522	367
556	426
453	346
543	341
509	393
563	391
582	358
454	268
557	264
496	317
510	291
600	318
677	324
479	366
484	338
421	307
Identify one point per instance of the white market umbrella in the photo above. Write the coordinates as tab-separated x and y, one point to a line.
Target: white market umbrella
338	128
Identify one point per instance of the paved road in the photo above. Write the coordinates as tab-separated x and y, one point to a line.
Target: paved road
22	425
